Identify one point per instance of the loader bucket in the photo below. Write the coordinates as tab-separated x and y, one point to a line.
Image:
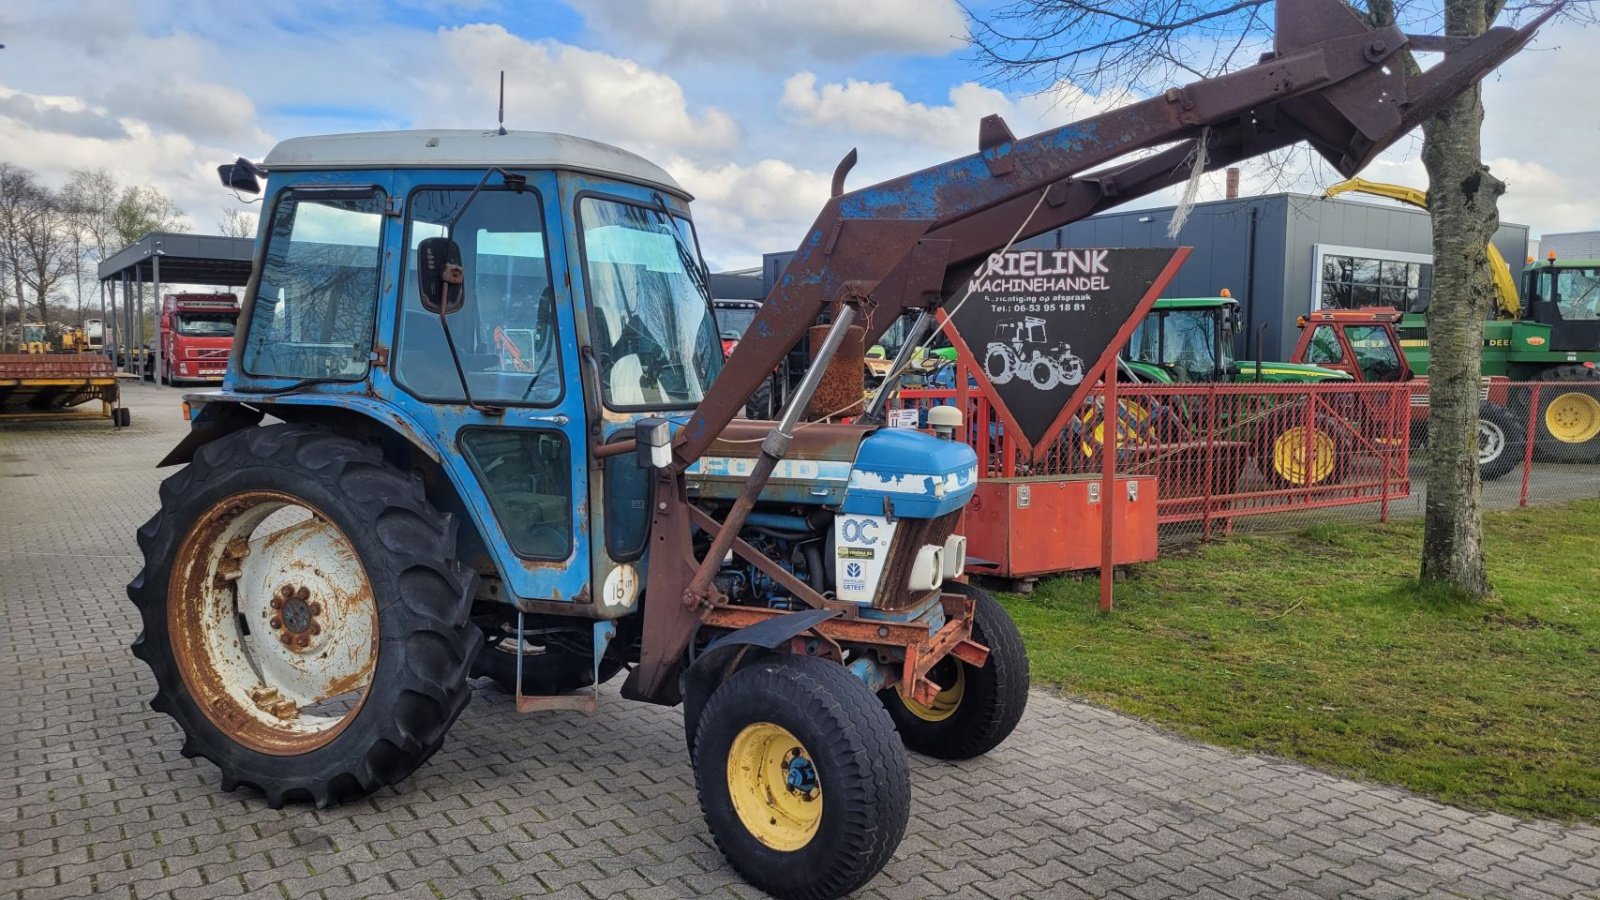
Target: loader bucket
1353	121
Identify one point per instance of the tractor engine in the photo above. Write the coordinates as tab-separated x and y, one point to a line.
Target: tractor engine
861	515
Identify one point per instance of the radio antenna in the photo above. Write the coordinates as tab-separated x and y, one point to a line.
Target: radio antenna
502	101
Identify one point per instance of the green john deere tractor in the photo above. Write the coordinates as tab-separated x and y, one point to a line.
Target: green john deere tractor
1296	442
1555	337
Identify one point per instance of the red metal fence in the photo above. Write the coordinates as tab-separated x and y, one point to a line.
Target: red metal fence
1221	452
1301	452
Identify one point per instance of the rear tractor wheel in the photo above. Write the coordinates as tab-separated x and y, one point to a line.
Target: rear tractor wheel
1500	441
978	708
1297	456
304	615
999	364
1568	419
800	777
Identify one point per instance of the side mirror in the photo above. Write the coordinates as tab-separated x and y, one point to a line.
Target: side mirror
441	282
653	442
241	175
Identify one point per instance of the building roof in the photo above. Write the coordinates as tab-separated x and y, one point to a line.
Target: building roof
1194	302
1299	199
463	148
185	259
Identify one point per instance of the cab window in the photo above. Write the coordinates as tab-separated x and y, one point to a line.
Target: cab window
205	325
318	295
505	333
527	475
1578	294
1324	348
1375	353
651	326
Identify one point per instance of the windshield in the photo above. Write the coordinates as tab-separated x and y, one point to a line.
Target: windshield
733	320
1183	339
1578	294
202	325
653	331
1375	352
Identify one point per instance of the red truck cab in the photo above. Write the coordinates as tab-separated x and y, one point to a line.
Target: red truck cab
196	336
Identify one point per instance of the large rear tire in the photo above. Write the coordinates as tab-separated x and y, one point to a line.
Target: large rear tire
1568	418
1291	458
979	707
1501	441
800	777
304	614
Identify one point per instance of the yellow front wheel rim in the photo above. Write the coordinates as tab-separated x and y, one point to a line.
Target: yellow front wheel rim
945	703
774	786
1289	456
1573	418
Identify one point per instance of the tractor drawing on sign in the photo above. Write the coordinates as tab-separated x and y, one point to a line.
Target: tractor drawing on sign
1021	350
385	500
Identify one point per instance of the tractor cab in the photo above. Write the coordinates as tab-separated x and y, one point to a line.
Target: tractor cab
1565	295
34	338
1362	343
1186	339
494	305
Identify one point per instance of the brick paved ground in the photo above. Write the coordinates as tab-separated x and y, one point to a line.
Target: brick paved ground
94	795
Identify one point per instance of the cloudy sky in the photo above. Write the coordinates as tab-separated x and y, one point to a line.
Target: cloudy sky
749	103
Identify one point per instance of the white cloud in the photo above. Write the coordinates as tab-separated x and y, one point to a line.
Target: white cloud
552	86
880	108
742	211
768	32
160	94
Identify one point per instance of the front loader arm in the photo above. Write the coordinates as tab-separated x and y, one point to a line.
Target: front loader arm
889	247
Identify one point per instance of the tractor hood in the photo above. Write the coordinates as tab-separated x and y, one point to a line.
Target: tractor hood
862	469
1274	372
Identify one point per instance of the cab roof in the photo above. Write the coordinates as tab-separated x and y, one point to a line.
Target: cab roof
1194	302
467	149
1559	263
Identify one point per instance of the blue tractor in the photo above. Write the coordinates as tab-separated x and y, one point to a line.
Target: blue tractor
477	423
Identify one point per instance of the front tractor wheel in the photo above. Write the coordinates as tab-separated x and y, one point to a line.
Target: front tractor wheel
800	777
303	615
976	708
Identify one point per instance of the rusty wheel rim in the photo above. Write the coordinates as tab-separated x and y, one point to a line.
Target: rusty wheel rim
273	622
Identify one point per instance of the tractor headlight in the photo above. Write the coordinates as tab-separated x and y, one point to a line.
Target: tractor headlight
955	556
927	571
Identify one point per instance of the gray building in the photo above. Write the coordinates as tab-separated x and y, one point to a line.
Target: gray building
1280	255
1571	245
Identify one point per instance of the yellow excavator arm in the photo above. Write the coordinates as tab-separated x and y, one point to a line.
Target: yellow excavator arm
1507	303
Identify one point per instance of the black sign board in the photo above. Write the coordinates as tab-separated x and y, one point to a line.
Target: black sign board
1042	326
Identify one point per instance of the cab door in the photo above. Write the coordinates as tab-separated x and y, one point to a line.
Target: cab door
1326	348
496	379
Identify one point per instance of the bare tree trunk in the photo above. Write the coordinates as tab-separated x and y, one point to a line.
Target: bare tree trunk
1462	198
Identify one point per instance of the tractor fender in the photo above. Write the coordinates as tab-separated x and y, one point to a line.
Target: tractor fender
215	415
209	422
218	414
711	667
